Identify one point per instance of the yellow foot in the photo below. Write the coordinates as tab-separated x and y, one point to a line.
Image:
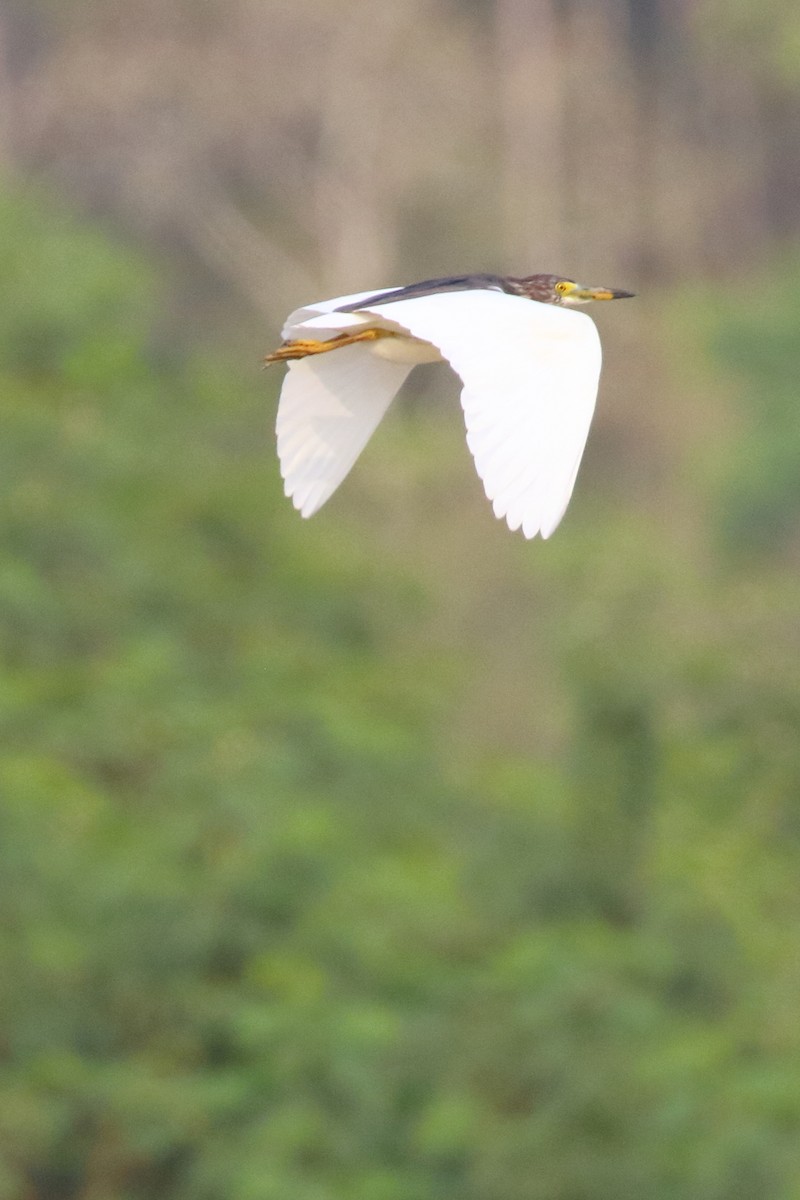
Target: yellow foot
302	348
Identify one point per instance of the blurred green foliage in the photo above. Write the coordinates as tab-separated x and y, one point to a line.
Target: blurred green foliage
769	31
756	344
272	927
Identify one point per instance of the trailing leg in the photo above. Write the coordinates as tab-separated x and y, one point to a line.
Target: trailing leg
303	347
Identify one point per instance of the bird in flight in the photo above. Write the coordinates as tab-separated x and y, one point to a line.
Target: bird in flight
528	361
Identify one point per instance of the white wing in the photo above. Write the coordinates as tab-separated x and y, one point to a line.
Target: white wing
321	318
330	405
530	373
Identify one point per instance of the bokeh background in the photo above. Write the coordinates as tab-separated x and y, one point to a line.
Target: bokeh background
387	856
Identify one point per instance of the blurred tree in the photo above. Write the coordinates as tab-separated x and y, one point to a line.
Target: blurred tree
370	856
771	28
287	150
754	473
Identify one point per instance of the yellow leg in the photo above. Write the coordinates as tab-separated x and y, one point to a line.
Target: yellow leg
302	348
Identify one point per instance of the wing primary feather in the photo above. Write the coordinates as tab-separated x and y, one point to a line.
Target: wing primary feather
329	407
530	374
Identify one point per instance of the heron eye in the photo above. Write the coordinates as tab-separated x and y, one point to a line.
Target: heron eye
562	288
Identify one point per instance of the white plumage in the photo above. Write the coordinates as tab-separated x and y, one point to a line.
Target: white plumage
529	370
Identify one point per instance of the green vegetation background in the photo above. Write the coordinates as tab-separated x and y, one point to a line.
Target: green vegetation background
300	900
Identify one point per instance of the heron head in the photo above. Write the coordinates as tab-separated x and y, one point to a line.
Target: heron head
554	289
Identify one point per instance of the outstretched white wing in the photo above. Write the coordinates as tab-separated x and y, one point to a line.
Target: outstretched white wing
321	319
330	405
530	373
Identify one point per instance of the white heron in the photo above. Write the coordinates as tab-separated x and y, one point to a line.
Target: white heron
529	363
